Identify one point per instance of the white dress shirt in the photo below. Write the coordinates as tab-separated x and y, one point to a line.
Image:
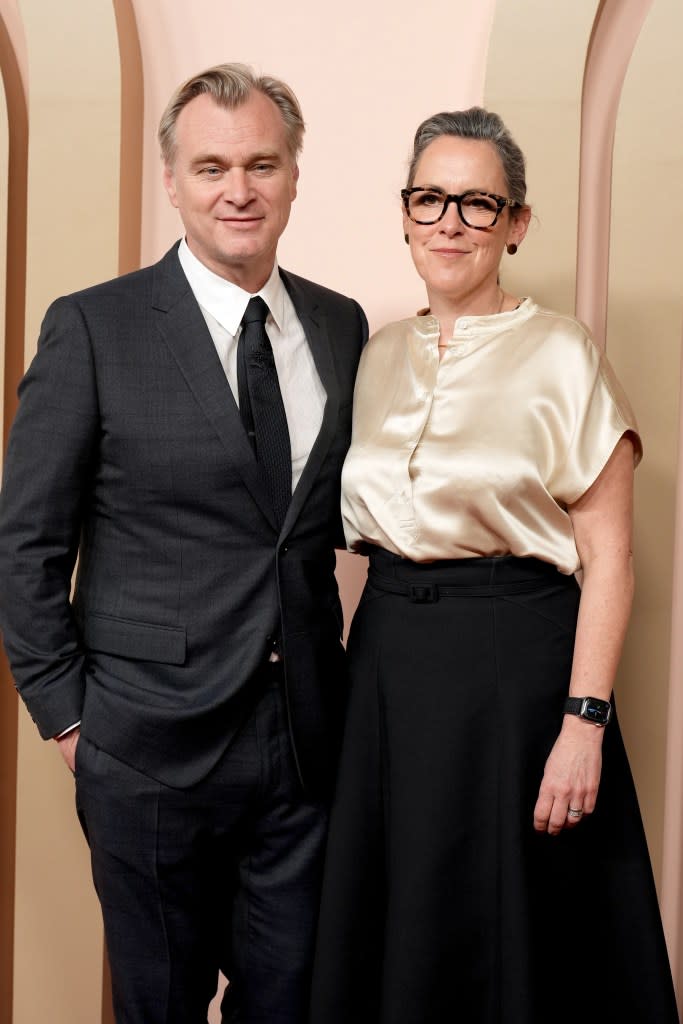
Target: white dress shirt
223	305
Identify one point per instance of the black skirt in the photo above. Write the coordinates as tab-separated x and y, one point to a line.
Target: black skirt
441	903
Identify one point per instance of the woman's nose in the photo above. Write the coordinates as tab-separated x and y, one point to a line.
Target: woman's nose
451	222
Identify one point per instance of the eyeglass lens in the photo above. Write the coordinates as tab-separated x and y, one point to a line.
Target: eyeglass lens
476	209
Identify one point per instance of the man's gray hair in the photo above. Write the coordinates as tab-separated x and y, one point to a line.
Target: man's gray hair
231	85
480	124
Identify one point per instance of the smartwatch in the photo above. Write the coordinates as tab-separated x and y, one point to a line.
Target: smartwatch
592	709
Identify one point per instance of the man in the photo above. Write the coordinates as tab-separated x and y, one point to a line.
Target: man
185	439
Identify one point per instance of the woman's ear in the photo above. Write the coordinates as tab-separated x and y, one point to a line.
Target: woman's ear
518	228
406	228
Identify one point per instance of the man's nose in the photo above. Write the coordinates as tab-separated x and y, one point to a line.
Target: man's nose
236	187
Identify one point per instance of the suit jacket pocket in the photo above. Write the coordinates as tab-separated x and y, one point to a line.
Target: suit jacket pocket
143	641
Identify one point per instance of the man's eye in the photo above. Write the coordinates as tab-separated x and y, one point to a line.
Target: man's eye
210	172
263	168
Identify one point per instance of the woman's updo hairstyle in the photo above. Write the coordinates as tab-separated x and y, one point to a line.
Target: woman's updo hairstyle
480	124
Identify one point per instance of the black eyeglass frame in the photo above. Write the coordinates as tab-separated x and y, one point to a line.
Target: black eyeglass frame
500	201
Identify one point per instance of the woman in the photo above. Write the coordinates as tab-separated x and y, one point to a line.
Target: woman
486	860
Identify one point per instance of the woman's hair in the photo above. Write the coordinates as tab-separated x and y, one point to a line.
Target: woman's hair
480	124
231	85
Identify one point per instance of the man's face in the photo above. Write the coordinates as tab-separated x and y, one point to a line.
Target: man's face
233	180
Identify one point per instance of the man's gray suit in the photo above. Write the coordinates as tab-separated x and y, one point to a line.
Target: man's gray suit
128	442
128	450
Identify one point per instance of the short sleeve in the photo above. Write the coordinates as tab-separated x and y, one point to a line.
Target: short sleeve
602	415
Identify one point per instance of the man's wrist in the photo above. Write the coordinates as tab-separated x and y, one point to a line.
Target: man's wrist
65	732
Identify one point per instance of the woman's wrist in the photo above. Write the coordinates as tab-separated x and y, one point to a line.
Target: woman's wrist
596	710
581	729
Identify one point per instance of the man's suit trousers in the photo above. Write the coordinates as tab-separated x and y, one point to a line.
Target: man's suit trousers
224	875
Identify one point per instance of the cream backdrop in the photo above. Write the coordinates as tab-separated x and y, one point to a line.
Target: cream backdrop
4	157
364	82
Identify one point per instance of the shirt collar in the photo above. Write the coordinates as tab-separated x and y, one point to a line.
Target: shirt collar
225	301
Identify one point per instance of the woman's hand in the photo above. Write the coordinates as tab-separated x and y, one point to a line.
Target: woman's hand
602	522
571	777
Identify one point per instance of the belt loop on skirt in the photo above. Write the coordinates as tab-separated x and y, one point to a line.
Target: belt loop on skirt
423	593
430	582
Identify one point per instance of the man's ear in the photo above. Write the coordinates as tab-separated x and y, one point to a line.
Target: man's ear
169	184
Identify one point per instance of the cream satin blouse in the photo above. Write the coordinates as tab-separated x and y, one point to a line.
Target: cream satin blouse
480	453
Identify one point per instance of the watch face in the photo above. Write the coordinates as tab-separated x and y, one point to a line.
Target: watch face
597	711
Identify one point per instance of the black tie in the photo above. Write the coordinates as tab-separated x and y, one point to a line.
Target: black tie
261	406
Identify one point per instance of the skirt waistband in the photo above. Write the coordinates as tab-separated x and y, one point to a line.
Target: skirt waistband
426	582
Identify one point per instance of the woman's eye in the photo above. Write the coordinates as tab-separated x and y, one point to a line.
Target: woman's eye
430	199
480	202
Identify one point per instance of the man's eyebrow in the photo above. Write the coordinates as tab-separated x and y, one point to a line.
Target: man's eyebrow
271	155
255	158
206	158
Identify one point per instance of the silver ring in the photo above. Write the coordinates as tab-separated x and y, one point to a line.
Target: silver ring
574	812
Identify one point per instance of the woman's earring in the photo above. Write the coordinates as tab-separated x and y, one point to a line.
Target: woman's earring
406	239
511	249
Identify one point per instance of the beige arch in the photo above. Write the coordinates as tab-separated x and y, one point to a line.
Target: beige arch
615	33
13	68
616	28
72	241
539	97
672	861
132	107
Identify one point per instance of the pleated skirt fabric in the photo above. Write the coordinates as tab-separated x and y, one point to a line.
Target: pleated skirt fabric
441	903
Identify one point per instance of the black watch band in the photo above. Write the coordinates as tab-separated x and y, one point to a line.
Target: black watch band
593	709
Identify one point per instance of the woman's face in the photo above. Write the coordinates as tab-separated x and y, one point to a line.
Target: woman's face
456	262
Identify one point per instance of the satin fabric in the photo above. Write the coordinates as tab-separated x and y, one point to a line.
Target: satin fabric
480	453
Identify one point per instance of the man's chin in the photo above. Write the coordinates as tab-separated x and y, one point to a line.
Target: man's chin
247	266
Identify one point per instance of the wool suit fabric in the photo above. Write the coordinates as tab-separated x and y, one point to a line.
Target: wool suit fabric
128	451
128	448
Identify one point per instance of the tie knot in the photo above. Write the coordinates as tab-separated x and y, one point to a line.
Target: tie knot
256	311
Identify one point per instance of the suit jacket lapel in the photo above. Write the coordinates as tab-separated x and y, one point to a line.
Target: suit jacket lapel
182	325
314	323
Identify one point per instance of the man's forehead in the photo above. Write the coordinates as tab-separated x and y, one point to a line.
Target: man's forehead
257	121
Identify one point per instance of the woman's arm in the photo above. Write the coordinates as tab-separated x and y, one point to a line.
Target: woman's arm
602	520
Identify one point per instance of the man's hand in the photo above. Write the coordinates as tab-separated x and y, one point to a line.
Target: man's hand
67	747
